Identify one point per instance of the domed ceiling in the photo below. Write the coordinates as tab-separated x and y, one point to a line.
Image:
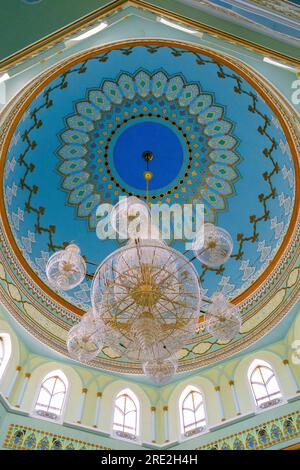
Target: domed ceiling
74	139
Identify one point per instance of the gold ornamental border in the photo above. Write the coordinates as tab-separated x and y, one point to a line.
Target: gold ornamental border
285	114
62	34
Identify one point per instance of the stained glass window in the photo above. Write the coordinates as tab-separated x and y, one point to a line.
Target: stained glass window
263	382
126	413
192	410
52	393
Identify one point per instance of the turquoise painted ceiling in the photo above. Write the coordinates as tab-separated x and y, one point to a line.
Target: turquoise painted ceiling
78	144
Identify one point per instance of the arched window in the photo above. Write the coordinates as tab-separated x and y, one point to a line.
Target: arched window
126	414
5	351
52	394
192	411
264	385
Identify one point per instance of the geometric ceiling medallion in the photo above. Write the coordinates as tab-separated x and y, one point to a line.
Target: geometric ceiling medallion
186	130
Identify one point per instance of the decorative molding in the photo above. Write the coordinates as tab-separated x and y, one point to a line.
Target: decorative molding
93	18
24	438
261	436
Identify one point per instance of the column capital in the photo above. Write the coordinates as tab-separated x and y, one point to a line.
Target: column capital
27	375
217	388
165	408
84	390
285	362
231	382
99	394
19	368
153	408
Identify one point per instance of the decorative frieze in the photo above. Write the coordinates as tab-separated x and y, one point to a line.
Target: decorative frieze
24	438
261	436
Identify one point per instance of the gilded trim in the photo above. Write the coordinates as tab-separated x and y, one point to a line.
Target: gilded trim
95	16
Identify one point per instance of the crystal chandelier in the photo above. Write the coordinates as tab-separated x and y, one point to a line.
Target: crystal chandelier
222	318
149	294
146	297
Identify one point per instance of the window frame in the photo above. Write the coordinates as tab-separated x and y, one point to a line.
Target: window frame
258	364
60	375
127	392
191	389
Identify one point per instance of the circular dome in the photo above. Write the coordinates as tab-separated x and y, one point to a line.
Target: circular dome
229	141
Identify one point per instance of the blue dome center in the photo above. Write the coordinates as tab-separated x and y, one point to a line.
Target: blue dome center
158	139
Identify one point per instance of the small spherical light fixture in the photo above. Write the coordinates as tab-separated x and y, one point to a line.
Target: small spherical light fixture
160	372
217	246
66	269
83	341
223	319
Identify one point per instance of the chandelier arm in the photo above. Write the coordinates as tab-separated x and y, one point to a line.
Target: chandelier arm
174	302
186	261
125	308
119	301
165	308
137	243
118	272
130	269
165	265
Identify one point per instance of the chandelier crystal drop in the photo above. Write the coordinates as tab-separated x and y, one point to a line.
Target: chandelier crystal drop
223	319
217	246
160	371
66	268
84	341
148	294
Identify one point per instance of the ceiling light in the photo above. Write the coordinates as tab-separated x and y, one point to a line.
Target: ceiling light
178	26
90	32
279	64
146	296
4	77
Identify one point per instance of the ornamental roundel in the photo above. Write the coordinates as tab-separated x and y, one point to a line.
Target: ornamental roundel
148	108
73	138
